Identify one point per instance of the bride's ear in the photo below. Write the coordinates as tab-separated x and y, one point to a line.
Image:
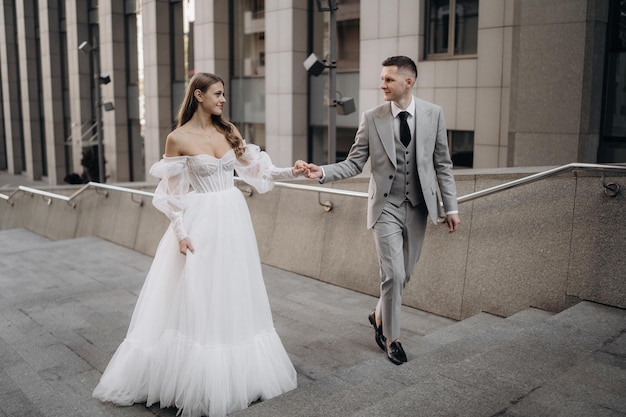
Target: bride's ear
197	93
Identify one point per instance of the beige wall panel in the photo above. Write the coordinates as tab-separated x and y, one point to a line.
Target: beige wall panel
597	263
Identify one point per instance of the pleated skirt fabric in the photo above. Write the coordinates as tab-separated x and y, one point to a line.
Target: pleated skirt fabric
201	337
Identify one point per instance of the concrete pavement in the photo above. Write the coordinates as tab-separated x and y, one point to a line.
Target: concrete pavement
10	181
65	306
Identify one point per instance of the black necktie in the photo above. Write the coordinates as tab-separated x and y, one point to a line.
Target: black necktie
405	132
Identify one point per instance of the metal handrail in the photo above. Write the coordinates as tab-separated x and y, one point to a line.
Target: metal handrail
70	199
610	189
328	206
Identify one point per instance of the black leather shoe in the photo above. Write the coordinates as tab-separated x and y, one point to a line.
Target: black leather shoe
396	354
380	339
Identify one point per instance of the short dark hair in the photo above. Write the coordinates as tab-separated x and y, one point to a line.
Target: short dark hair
401	61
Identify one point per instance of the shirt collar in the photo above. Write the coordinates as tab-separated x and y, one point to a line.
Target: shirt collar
410	108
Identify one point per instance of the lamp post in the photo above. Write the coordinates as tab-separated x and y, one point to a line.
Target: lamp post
100	79
315	67
332	81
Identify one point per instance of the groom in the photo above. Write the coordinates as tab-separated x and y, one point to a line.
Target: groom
407	143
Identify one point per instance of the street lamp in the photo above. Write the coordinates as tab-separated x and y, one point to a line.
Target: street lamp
315	67
100	79
345	105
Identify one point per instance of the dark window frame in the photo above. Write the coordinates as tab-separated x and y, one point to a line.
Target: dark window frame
450	35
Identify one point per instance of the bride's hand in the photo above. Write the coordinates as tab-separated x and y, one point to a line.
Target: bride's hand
185	245
299	167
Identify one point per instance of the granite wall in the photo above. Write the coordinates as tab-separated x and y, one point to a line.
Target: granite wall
547	244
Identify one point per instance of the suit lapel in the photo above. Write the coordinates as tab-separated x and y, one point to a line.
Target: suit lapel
422	115
384	126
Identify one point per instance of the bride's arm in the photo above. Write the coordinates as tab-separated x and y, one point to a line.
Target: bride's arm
256	168
169	194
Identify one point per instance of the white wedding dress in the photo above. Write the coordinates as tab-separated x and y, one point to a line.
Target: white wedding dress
201	337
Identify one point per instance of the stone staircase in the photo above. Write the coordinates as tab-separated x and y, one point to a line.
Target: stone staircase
65	306
530	364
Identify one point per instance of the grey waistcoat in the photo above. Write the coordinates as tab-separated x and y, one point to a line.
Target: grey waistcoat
406	183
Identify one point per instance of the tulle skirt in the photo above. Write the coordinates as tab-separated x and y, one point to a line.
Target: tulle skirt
201	337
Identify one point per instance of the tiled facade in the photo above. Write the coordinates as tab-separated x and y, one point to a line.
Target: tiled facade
527	97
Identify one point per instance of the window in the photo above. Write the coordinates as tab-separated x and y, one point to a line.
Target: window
348	35
247	82
452	34
461	144
613	131
248	38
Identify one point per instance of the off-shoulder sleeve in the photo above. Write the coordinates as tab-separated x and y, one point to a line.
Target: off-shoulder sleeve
256	168
171	190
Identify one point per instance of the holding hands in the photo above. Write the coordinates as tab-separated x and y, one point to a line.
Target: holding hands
299	168
310	171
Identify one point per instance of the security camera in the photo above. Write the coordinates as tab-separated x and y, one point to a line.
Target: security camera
85	47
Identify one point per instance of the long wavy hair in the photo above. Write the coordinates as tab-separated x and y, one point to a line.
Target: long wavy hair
202	81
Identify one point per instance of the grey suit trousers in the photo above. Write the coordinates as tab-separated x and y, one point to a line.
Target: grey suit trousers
398	235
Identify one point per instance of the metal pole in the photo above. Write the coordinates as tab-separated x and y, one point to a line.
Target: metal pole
332	101
98	94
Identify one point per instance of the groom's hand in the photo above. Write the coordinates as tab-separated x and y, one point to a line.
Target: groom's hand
452	222
314	171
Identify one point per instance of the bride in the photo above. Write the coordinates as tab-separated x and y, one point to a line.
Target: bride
201	337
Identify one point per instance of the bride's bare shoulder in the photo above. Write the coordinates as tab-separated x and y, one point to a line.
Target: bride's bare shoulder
175	142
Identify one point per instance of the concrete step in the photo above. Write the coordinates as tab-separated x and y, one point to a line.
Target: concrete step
529	316
354	390
17	240
576	364
457	340
455	332
65	306
498	369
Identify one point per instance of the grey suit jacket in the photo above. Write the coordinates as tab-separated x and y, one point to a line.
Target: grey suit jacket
374	139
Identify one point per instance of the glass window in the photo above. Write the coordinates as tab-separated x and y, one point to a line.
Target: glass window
452	34
461	144
249	38
247	86
348	35
613	131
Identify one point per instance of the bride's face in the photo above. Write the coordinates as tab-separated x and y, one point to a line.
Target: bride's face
213	100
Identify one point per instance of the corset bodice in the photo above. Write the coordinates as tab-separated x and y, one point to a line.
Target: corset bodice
208	173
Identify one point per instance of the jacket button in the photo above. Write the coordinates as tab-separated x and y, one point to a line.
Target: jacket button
391	177
385	195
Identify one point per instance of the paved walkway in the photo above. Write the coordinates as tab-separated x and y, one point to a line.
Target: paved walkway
10	182
65	306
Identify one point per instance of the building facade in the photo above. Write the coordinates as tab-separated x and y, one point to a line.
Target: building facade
89	88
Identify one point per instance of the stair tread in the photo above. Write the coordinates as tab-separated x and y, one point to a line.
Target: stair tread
526	352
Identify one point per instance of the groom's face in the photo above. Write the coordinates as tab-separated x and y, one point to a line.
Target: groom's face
396	84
